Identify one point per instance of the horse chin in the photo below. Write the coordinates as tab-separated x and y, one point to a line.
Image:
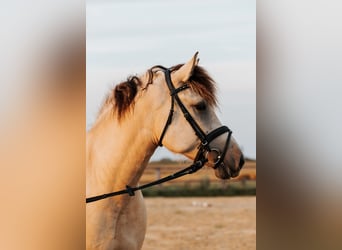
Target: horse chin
223	172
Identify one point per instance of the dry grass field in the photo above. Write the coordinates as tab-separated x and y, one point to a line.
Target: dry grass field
155	170
201	223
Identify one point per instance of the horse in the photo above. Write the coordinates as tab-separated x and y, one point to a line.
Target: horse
133	121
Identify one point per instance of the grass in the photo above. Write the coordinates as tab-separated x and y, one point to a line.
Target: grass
201	183
202	190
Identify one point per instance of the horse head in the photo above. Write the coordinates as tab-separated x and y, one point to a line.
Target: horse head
183	108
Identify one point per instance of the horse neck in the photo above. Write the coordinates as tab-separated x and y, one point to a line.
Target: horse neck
118	153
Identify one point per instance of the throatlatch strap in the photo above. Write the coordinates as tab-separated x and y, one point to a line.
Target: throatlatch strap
168	122
173	93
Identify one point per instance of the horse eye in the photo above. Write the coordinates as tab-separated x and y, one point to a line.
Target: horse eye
201	106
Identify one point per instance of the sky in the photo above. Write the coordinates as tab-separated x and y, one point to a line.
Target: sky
128	37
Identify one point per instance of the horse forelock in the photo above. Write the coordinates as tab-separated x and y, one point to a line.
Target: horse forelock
201	83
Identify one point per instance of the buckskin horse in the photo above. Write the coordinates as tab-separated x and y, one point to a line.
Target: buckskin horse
173	107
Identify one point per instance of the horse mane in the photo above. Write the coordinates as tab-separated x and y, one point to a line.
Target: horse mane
122	96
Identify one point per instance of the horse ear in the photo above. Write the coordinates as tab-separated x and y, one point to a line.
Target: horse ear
184	73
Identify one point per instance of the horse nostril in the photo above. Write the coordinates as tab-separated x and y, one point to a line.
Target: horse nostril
242	161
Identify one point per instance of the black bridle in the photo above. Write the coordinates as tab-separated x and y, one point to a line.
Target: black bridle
204	148
205	139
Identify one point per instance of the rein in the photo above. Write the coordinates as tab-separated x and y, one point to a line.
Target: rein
130	190
203	149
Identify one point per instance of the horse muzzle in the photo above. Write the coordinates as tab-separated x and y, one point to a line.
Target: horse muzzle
229	170
226	164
